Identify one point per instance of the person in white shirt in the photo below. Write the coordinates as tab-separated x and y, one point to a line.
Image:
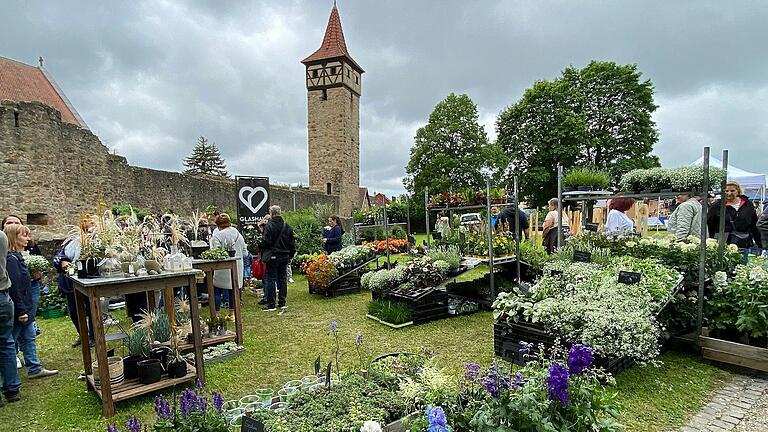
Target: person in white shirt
549	229
228	238
618	221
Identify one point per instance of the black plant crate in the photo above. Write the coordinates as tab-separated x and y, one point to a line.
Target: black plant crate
425	304
436	312
346	285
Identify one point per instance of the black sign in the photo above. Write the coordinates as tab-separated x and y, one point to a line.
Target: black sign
328	375
251	425
581	256
591	227
252	199
317	365
629	278
555	273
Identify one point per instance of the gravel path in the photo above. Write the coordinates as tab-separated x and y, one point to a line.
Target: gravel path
741	406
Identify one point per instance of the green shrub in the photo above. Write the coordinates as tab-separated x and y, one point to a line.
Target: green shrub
307	230
125	210
389	311
586	177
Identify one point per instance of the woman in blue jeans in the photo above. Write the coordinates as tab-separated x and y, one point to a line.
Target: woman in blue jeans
21	293
8	372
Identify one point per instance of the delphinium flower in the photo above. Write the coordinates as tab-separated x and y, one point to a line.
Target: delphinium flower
495	382
358	340
162	407
202	404
218	401
199	384
519	379
437	420
133	424
112	428
557	383
579	358
471	371
188	402
333	326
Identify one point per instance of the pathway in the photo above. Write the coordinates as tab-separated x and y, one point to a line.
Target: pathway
741	406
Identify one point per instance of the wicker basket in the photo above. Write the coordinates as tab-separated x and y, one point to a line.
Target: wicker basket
116	374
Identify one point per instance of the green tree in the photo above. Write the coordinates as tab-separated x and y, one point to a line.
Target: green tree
205	159
599	116
451	150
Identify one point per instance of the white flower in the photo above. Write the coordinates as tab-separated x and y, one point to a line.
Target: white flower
371	426
733	248
631	244
757	274
721	278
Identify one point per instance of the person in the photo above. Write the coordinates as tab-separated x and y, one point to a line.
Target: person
442	227
68	254
549	229
618	221
762	226
8	371
37	278
686	219
279	246
265	281
21	286
332	235
507	217
740	220
228	238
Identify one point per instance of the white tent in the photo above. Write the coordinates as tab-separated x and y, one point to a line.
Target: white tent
752	183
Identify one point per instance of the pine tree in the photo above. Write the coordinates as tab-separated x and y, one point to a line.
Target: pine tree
205	159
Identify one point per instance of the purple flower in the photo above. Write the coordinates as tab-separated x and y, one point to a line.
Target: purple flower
494	381
359	340
437	420
557	383
333	326
202	404
133	424
525	347
519	379
112	428
218	401
199	384
162	407
579	358
188	402
471	371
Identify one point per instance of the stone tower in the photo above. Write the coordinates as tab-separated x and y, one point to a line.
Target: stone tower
334	81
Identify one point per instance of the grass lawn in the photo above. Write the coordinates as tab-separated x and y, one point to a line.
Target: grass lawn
280	348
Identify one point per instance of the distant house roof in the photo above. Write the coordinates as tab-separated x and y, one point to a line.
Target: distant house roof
24	83
363	199
380	199
333	45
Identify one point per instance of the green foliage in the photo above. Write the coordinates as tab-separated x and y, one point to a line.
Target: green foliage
598	116
126	209
450	150
741	302
389	311
322	211
687	178
450	254
586	177
137	342
398	232
161	328
307	230
206	159
214	254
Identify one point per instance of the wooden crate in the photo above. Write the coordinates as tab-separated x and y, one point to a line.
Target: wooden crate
734	353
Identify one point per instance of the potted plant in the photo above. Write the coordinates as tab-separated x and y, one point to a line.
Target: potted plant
497	195
585	179
150	371
138	350
177	367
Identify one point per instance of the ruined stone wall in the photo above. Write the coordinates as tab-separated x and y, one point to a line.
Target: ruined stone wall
53	172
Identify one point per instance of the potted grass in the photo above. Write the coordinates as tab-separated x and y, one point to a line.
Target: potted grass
585	180
177	367
138	350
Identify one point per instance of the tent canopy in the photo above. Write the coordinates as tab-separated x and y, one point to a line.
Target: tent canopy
748	180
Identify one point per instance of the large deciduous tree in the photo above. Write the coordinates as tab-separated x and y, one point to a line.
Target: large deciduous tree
599	116
205	159
450	152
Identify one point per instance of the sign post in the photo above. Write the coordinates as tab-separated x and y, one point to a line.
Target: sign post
252	199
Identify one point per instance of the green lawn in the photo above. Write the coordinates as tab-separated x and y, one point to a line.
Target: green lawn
280	348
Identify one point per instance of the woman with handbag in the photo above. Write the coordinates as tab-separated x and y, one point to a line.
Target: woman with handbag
740	219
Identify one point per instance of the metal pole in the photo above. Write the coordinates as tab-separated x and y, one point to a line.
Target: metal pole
386	233
426	212
721	228
517	230
703	244
559	205
408	215
490	235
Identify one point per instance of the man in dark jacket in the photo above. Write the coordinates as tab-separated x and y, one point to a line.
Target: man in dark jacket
508	215
278	246
740	219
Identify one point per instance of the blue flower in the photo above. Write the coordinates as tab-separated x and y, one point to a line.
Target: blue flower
579	358
133	424
188	402
218	401
471	371
112	428
46	290
557	383
359	340
333	326
436	419
199	384
162	407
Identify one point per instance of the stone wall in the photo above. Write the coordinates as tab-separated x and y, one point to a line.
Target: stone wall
53	172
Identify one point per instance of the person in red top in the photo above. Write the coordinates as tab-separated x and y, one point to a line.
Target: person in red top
740	219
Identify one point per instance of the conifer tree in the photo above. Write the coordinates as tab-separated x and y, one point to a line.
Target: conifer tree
205	159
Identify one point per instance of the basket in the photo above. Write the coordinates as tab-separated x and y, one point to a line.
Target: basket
116	374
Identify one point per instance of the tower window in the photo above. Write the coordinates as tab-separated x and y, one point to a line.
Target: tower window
325	95
328	188
333	71
347	73
357	80
16	119
37	219
314	73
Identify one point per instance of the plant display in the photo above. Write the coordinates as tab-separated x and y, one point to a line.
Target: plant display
740	304
586	177
450	254
37	264
384	280
216	254
349	256
533	254
687	178
390	311
161	327
394	245
477	244
138	342
301	261
320	272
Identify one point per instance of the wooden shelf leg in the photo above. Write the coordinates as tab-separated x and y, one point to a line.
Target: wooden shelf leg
108	406
211	298
194	310
81	302
235	298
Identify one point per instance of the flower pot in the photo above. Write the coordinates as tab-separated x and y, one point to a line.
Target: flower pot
229	414
92	267
236	423
265	396
150	371
161	354
584	188
231	405
293	384
177	369
52	312
126	267
279	406
286	394
309	380
82	268
116	372
247	400
130	366
152	265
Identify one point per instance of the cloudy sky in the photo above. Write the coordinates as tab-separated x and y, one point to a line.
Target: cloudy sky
149	77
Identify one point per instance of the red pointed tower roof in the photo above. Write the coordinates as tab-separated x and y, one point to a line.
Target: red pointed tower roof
333	45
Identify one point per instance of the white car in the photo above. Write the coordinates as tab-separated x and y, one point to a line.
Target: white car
470	219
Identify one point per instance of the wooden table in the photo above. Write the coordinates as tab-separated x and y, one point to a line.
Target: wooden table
208	267
91	290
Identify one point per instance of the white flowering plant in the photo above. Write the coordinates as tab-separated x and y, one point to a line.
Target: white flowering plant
740	302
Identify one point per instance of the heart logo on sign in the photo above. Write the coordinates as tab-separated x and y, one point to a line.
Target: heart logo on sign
246	197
